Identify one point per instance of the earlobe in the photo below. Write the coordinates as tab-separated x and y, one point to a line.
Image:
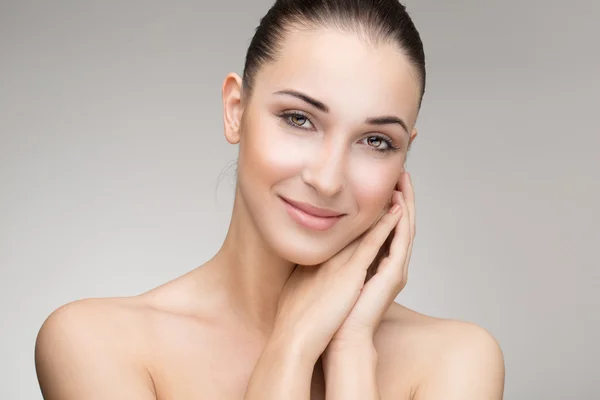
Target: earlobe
232	107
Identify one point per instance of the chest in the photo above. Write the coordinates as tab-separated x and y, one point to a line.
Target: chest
211	376
219	366
214	376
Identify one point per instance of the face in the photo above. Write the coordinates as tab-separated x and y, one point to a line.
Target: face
328	124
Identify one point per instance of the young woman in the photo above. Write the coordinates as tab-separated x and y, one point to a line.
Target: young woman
298	303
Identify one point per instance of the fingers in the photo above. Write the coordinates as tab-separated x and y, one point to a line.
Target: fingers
396	264
407	189
371	243
392	274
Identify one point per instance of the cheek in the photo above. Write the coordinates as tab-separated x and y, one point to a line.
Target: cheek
373	185
269	152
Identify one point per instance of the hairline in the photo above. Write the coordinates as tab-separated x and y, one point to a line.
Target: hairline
344	25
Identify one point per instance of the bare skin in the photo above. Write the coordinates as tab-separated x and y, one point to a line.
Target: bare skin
205	334
174	344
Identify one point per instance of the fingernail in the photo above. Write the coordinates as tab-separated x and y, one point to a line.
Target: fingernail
394	209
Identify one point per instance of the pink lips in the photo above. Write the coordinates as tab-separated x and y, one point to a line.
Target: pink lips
310	216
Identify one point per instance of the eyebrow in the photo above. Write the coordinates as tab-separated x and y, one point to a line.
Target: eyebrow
384	120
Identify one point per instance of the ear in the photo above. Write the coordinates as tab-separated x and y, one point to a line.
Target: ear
232	107
413	136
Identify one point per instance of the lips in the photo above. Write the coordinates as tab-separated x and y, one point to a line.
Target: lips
311	217
312	210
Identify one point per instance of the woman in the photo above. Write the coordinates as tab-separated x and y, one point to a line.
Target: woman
324	117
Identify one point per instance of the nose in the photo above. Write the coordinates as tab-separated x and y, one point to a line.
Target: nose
325	171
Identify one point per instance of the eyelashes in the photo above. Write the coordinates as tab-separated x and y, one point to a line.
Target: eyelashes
289	116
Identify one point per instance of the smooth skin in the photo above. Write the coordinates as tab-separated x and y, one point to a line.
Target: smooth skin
347	311
282	311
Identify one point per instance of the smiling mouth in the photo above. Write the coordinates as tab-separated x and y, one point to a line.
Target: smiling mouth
313	210
311	217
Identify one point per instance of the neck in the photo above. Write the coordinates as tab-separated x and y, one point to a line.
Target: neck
250	274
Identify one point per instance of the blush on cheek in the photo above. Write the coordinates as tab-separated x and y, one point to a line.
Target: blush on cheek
373	180
372	186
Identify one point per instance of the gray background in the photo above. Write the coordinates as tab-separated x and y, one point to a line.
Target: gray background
112	143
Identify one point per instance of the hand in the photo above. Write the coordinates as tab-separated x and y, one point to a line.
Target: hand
317	299
392	272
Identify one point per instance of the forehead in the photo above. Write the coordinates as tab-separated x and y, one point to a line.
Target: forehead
346	72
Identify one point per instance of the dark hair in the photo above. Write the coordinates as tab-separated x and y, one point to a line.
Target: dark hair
378	20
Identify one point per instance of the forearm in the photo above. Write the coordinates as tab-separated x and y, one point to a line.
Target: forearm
282	372
351	373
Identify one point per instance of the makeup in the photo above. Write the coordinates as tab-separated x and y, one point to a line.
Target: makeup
310	221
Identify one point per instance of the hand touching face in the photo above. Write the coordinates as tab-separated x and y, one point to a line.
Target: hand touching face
328	124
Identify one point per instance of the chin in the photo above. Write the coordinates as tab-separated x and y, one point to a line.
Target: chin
304	251
309	258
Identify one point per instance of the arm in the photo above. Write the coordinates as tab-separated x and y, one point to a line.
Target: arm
351	358
471	368
350	373
313	304
283	371
73	362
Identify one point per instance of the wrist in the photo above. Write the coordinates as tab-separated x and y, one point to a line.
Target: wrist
292	347
281	369
354	342
351	371
340	353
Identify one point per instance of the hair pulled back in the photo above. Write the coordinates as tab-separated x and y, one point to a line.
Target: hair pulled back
378	21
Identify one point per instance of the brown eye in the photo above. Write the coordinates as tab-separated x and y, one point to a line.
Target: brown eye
298	119
380	143
375	141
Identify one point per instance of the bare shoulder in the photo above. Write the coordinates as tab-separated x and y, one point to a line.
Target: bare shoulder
444	358
85	344
119	348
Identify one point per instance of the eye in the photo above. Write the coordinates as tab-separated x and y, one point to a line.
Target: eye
376	141
380	143
296	119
